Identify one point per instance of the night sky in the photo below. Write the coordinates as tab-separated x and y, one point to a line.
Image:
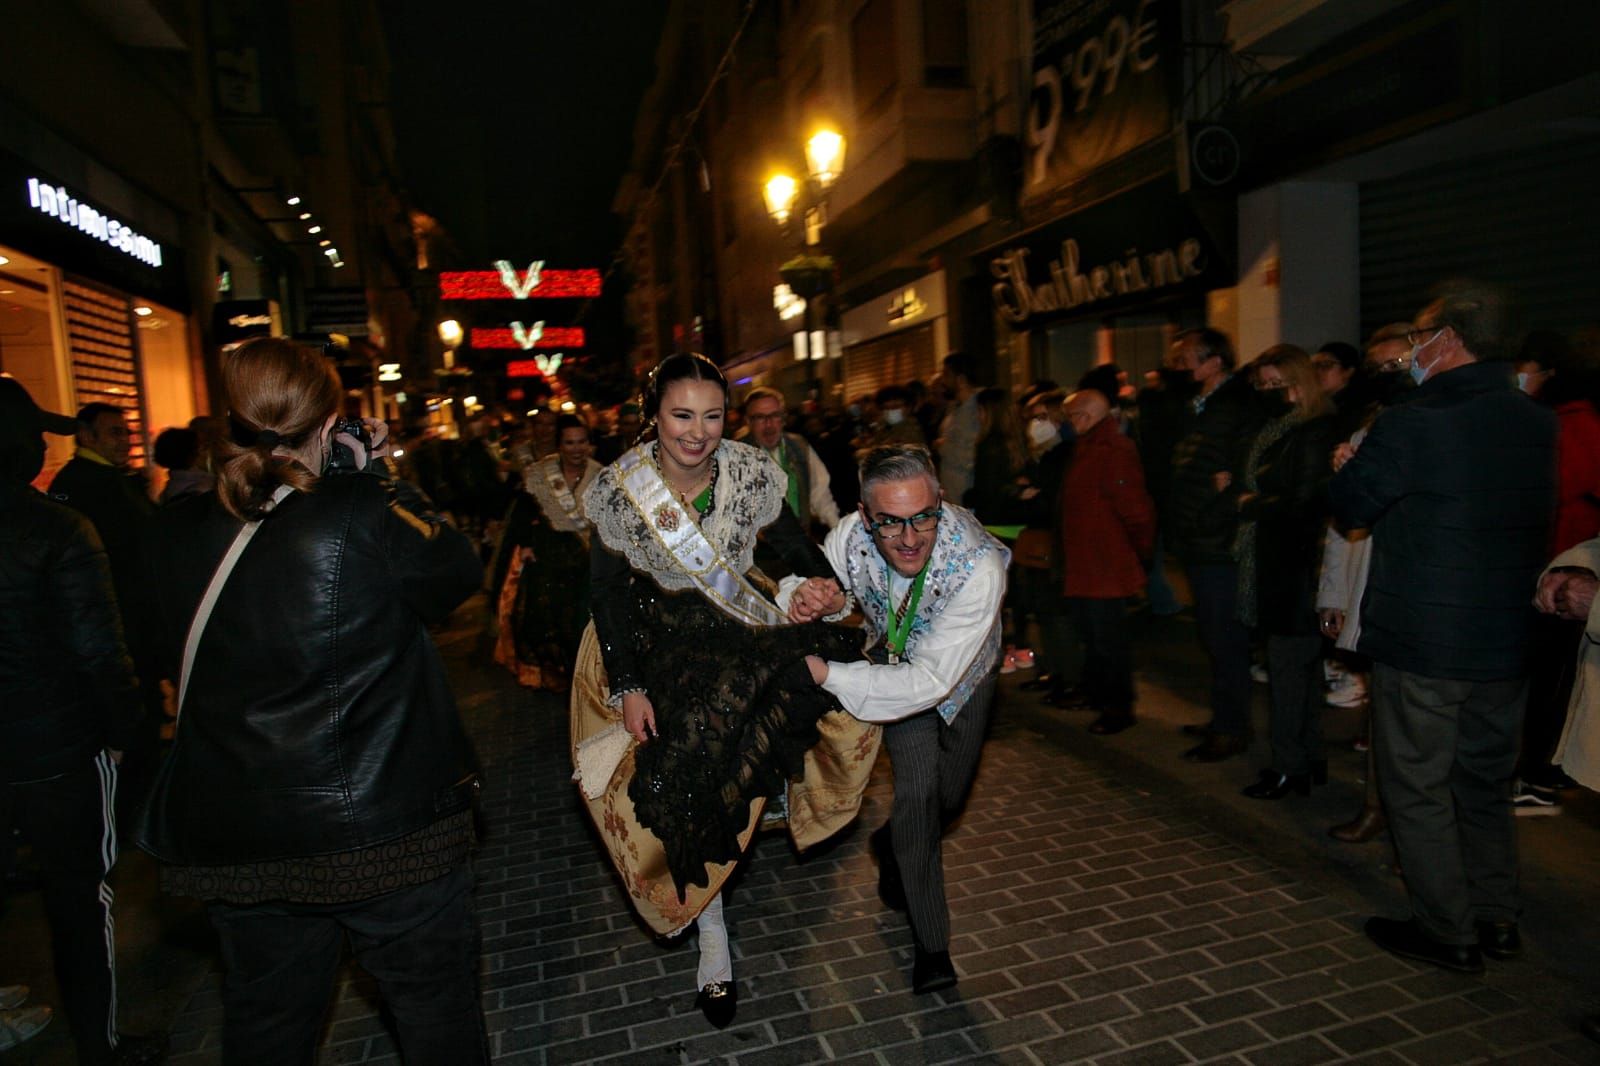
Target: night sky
515	124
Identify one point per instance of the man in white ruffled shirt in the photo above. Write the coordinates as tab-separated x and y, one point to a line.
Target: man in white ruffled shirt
929	581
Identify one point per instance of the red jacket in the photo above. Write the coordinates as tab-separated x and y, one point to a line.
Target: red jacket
1578	483
1108	523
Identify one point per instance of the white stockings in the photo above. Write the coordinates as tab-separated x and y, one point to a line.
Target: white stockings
716	961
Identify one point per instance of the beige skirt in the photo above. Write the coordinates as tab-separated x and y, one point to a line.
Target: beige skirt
824	800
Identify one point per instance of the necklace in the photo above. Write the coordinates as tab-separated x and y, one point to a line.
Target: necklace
703	501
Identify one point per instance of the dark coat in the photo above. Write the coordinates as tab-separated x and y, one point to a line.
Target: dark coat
1108	523
67	686
1217	440
318	717
119	509
1290	510
996	495
1165	415
1457	485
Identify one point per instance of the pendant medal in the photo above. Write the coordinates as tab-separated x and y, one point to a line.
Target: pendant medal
667	517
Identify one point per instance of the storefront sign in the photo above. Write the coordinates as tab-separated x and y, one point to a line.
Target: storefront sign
1101	76
233	321
1142	245
58	203
341	309
922	301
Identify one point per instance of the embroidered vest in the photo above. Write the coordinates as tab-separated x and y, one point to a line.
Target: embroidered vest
961	542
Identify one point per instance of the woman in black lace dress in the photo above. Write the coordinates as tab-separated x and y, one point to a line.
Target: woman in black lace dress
710	679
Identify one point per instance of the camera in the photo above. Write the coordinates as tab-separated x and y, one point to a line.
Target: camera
341	460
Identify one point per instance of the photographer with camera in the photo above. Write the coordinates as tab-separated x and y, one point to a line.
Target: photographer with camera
320	784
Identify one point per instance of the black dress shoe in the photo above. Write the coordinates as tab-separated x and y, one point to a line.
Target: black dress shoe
1197	729
891	890
1274	786
1112	722
718	1001
1403	938
1499	940
1366	825
931	971
1216	747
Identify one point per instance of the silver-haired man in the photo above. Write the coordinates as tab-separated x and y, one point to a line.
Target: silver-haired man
929	581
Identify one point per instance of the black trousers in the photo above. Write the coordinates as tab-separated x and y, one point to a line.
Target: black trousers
1227	640
1107	652
1294	671
420	944
934	763
71	824
1446	752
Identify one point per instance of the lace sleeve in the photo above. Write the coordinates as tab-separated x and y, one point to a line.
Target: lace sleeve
798	551
611	603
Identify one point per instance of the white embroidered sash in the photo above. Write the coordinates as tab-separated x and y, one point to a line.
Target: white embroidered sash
676	530
548	485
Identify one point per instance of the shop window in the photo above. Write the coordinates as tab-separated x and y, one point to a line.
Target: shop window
104	366
872	56
944	44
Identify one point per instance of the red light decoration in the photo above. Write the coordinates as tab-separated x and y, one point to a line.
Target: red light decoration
491	285
552	337
523	368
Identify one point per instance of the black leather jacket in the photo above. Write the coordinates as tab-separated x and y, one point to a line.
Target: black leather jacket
1217	440
67	687
318	717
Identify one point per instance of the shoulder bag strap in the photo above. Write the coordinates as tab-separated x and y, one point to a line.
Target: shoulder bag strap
202	614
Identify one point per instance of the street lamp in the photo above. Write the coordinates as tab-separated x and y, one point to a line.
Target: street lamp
809	275
450	334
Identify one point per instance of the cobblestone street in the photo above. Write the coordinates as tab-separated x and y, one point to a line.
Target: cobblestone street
1098	917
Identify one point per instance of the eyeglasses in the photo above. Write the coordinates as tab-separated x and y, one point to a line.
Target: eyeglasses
1391	366
892	527
1423	334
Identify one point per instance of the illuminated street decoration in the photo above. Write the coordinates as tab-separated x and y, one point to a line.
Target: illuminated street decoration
389	372
537	336
541	365
786	303
504	283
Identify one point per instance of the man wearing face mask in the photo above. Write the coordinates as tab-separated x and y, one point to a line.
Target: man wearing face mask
1457	485
896	424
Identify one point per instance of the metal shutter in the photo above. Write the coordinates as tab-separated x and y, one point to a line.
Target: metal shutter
892	360
1525	219
105	365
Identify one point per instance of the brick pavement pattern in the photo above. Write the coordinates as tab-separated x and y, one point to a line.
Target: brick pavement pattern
1093	923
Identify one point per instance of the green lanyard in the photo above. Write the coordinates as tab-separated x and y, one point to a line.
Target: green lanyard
897	627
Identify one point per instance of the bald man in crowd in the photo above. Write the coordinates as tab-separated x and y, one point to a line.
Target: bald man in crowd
1108	528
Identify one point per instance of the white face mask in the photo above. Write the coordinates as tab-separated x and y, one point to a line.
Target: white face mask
1419	373
1042	432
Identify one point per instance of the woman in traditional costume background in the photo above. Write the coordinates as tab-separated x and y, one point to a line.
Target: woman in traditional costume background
542	567
709	677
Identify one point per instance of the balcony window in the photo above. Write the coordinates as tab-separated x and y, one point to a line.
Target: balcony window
944	44
873	56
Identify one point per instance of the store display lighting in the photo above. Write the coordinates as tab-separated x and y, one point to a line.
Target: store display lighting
548	337
313	229
4	260
304	215
470	400
324	243
293	201
143	312
494	285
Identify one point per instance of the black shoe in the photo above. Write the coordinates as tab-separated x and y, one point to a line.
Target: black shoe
1042	683
931	971
1499	940
1274	785
145	1050
1112	722
1217	746
718	1001
891	890
1197	729
1403	938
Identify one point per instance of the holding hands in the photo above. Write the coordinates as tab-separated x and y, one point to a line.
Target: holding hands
638	716
817	597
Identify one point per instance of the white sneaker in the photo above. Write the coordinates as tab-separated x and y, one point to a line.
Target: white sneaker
1527	803
17	1026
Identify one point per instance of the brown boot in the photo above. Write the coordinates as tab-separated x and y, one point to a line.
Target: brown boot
1368	824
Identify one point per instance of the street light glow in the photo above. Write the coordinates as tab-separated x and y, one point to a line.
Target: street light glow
779	192
825	156
450	333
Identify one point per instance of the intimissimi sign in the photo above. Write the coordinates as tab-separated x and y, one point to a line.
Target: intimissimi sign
56	202
1141	246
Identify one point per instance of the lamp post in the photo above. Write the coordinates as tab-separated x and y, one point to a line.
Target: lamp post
810	274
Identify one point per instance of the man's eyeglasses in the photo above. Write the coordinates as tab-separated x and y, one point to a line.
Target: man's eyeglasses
1423	335
892	527
1391	366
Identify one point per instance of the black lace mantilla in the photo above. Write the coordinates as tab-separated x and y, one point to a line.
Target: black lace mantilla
736	711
